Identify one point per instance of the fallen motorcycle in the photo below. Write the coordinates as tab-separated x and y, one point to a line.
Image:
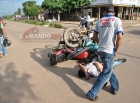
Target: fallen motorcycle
73	46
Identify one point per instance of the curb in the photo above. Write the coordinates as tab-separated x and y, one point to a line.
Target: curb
137	25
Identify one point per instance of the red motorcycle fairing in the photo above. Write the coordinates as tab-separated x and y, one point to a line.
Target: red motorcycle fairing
62	51
59	52
83	56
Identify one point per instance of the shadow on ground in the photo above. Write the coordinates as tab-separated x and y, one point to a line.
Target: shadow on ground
14	87
62	72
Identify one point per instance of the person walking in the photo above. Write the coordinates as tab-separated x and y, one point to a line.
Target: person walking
3	49
108	34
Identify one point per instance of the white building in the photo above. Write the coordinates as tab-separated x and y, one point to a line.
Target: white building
123	8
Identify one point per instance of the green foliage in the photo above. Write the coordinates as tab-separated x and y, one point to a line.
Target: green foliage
53	4
40	10
15	13
33	11
56	25
65	5
26	21
29	3
35	22
44	23
52	24
30	8
38	23
7	17
19	11
17	20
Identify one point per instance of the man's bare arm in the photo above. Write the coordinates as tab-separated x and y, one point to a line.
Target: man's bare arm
99	65
95	37
118	42
4	33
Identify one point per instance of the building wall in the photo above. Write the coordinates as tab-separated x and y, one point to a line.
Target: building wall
114	2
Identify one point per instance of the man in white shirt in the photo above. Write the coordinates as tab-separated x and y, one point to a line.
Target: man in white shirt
108	35
87	23
94	68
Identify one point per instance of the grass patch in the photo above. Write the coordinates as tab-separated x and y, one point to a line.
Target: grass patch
36	22
56	25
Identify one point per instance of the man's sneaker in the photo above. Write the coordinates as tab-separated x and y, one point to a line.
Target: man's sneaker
123	60
92	99
1	55
105	84
114	92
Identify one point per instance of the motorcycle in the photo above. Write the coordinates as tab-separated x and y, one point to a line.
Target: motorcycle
73	46
84	25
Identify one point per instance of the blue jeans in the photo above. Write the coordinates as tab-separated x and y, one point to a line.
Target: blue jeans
116	62
103	77
3	48
87	25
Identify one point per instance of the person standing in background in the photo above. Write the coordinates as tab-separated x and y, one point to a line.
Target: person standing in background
87	19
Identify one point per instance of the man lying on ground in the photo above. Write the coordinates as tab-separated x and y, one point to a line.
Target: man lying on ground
94	68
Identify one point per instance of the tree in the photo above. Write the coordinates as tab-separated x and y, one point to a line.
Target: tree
32	11
54	5
15	13
64	5
29	3
70	4
30	8
19	11
40	9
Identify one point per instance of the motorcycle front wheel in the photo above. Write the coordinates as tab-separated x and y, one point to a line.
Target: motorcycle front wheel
71	37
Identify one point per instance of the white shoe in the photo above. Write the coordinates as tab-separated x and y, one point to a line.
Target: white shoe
5	54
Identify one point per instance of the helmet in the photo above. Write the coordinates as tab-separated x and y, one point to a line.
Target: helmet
87	13
7	42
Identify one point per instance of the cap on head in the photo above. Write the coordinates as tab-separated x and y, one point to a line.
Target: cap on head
87	13
110	9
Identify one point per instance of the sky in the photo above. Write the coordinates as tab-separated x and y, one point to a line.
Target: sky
8	7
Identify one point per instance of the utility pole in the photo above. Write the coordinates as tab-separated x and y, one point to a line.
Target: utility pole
132	9
58	13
